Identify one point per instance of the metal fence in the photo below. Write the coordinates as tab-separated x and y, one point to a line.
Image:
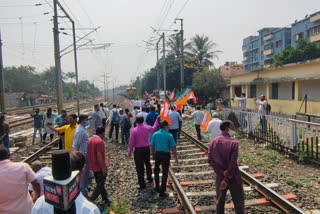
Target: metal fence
279	131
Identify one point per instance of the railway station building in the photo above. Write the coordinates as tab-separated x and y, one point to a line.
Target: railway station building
285	87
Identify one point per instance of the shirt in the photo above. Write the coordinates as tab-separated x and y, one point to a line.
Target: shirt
162	141
137	103
111	113
123	119
198	117
242	103
83	206
222	156
262	106
80	140
134	114
175	117
40	175
96	120
38	118
140	136
144	114
58	119
214	128
4	129
14	181
68	135
102	113
151	118
95	145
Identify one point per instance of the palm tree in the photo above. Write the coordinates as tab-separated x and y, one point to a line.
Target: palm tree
174	45
204	50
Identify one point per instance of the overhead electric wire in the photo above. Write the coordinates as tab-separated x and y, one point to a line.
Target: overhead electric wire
167	13
182	8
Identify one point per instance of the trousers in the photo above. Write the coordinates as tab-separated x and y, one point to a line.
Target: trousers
237	195
198	132
174	133
35	133
99	189
85	178
163	159
141	159
263	123
116	127
125	135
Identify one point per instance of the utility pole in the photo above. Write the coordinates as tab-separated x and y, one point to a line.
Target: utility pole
2	101
113	91
158	72
57	58
104	87
164	65
76	65
182	56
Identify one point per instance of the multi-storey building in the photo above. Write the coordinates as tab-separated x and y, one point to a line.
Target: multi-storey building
229	69
259	51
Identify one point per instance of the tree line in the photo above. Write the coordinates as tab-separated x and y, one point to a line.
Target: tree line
26	79
200	72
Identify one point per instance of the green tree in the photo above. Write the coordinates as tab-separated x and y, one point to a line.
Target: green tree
203	50
208	83
175	46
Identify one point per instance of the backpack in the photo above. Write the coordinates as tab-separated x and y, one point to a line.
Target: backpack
127	123
268	108
115	117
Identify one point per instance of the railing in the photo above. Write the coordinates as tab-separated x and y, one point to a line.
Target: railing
279	131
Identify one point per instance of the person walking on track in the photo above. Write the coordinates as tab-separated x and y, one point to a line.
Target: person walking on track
162	143
222	156
198	117
37	124
103	114
98	164
80	143
139	142
96	120
114	119
175	118
48	117
214	126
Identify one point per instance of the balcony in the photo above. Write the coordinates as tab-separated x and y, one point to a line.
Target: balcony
268	52
315	38
245	58
315	18
245	50
268	37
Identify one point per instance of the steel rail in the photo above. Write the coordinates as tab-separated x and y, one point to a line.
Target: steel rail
42	150
267	192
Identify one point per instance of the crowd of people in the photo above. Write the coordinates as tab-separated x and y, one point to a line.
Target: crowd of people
145	136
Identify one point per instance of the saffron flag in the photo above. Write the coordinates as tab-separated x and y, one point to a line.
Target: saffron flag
165	112
172	95
205	121
178	104
148	95
126	101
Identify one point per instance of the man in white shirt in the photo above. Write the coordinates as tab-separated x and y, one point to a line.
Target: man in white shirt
41	172
144	114
214	126
103	115
262	112
134	114
198	117
242	107
77	161
137	103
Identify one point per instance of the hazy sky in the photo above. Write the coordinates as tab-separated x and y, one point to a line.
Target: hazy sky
28	40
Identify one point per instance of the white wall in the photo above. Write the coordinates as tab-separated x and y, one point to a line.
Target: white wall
312	89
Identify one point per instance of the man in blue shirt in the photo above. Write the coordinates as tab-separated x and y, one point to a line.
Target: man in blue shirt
162	143
80	143
175	118
37	124
152	116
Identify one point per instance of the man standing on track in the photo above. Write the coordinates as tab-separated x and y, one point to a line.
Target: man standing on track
4	133
68	131
198	117
96	120
162	143
222	156
144	114
214	126
103	115
175	118
37	124
98	164
114	119
80	143
139	142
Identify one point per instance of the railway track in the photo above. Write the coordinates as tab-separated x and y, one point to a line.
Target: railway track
193	177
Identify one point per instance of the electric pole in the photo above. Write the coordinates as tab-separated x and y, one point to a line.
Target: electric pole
76	65
113	91
104	87
182	56
158	72
2	100
57	58
164	65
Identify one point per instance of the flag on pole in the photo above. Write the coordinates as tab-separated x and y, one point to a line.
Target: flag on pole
205	121
172	95
178	104
165	112
126	101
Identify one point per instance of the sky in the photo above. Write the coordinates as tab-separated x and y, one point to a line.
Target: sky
27	34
